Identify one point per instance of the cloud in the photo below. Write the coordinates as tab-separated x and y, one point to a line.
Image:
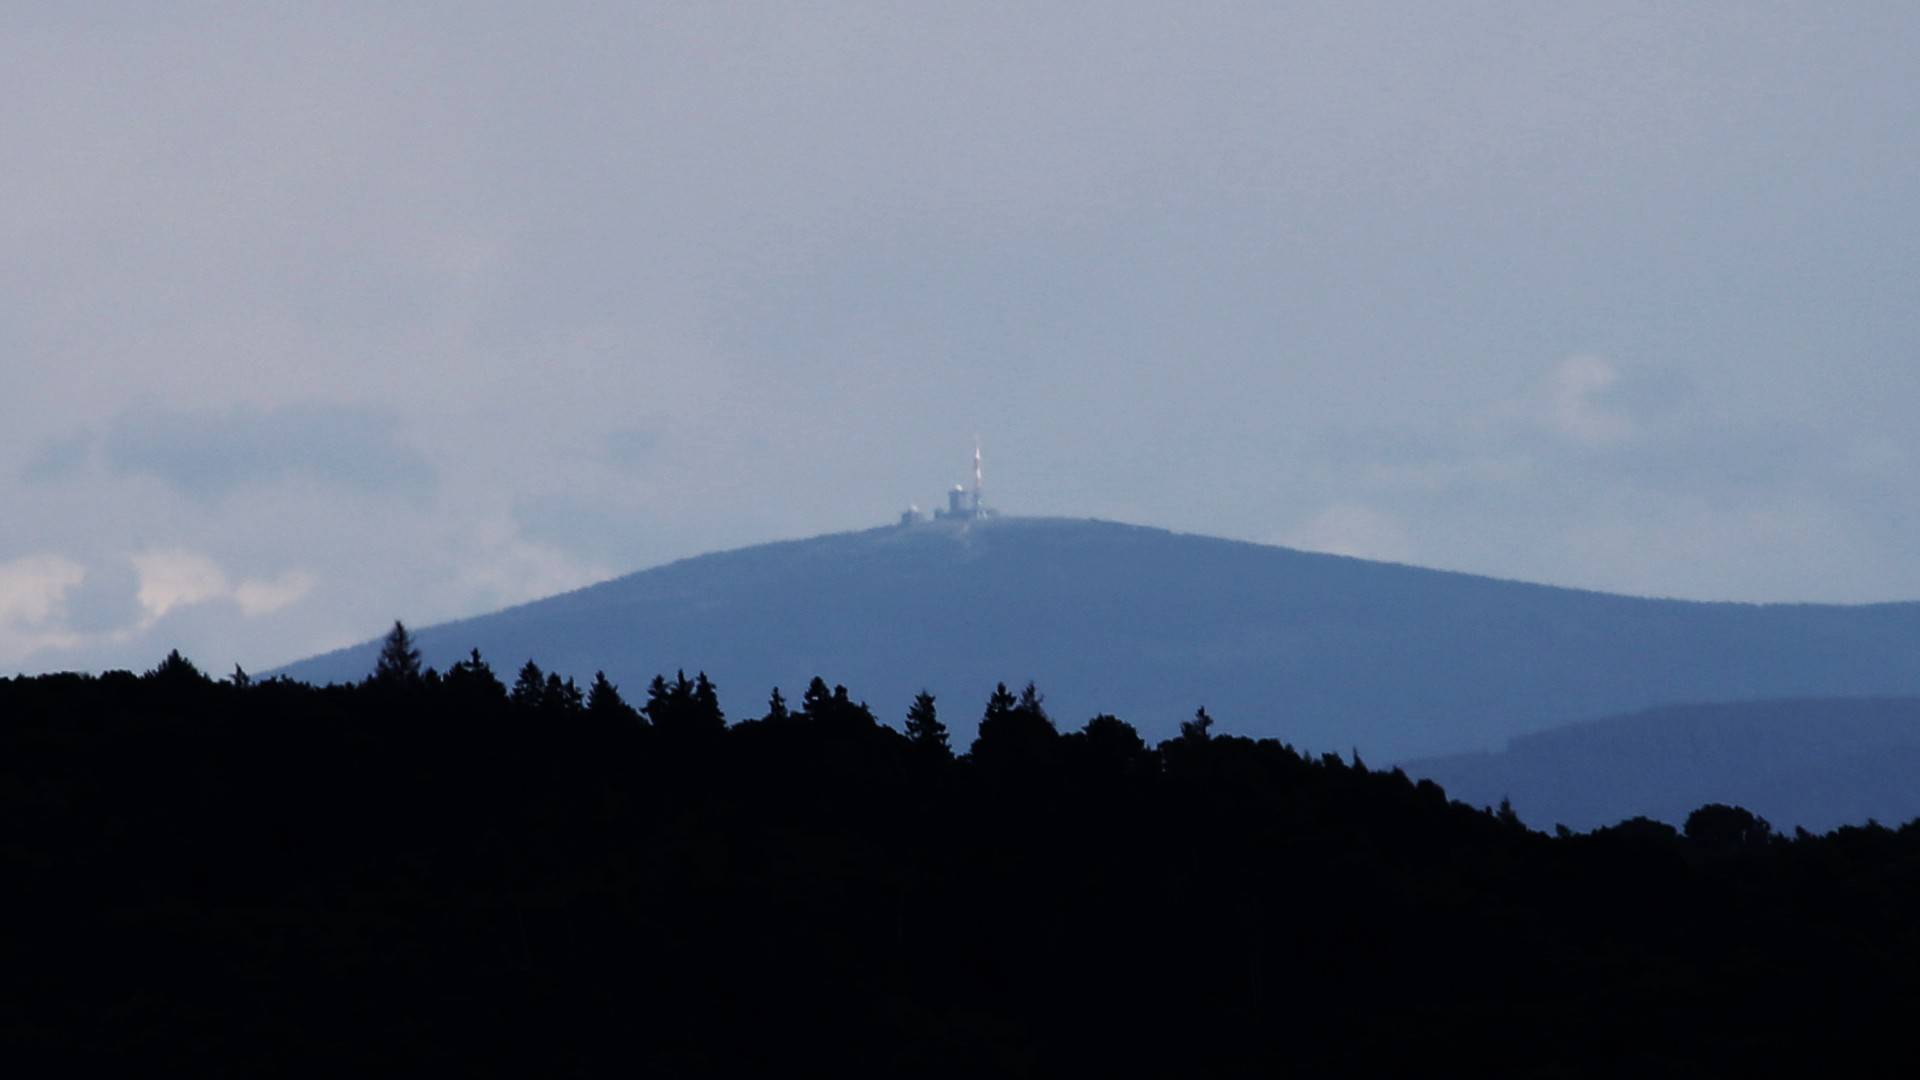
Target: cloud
33	589
107	600
264	597
33	592
1595	402
1578	405
59	459
1356	530
54	607
171	579
211	454
178	579
498	566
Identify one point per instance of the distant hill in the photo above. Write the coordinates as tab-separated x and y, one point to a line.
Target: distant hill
1813	763
1323	651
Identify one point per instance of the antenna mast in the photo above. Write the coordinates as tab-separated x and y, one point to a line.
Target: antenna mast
976	476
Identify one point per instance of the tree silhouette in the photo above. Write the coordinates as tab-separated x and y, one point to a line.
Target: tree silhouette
176	669
1000	706
816	699
472	685
1110	744
1031	704
833	711
706	704
561	698
530	688
924	728
604	702
825	856
777	708
1723	827
685	706
399	662
1015	733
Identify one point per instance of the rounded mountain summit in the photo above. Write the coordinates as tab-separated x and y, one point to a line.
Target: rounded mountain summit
1322	651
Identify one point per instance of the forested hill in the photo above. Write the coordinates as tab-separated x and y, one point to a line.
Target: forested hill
1813	763
1324	651
427	876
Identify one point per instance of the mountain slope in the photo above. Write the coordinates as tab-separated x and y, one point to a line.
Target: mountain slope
1813	763
1324	651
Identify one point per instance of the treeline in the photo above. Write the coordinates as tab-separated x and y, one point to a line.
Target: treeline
454	871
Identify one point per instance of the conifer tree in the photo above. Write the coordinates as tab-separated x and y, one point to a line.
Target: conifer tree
817	699
1198	729
1032	704
560	697
684	706
924	728
706	704
176	669
473	684
1015	732
1000	705
530	689
399	662
659	700
605	703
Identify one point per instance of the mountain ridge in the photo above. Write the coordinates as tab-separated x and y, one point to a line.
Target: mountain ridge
1327	651
1817	763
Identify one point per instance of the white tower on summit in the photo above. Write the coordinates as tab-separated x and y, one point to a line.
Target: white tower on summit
977	504
964	503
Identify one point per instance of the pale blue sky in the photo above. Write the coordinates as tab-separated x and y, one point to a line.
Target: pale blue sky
311	320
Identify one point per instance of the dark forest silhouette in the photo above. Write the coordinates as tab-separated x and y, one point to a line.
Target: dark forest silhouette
439	870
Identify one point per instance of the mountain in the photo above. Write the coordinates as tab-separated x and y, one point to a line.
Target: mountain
1816	763
1323	651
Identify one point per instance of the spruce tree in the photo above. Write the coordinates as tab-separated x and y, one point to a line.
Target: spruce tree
605	703
817	700
561	697
1199	728
176	669
706	705
1015	732
473	686
924	728
399	663
530	689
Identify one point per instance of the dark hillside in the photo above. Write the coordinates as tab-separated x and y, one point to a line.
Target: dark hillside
1326	652
423	876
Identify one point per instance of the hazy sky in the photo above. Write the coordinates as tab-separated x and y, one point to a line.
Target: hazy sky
314	319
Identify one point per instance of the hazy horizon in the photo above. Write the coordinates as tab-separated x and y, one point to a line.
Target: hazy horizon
317	319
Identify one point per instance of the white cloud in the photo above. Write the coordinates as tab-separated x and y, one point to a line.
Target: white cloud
33	592
1354	529
266	596
32	588
1577	406
171	579
177	579
501	567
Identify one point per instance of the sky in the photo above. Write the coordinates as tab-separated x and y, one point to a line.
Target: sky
313	317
